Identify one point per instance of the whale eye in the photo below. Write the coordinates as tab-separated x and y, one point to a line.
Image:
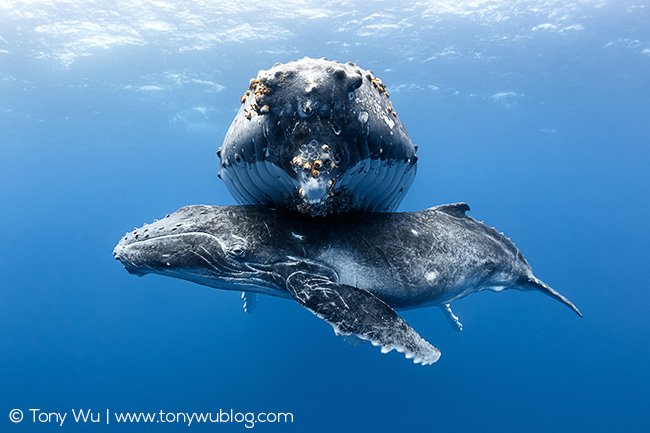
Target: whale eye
237	252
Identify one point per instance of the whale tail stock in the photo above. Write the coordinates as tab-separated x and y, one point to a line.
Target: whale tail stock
537	284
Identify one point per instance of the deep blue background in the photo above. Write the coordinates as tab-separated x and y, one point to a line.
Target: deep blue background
537	114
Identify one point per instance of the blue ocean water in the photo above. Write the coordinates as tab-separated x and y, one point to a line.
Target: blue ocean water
536	113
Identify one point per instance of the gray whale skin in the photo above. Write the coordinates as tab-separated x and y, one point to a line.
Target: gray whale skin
319	137
352	270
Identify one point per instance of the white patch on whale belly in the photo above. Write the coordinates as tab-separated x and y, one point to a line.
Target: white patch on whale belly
431	275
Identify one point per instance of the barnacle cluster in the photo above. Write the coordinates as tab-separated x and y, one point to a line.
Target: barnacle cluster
258	89
314	161
314	165
380	86
245	95
382	89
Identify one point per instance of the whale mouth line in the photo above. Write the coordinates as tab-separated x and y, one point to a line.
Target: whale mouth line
166	236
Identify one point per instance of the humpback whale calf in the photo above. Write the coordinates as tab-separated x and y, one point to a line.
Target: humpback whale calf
319	137
352	270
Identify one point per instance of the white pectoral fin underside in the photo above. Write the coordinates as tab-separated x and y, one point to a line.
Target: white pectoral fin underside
354	311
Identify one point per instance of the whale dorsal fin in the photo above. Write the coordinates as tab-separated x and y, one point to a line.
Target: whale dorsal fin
354	311
456	209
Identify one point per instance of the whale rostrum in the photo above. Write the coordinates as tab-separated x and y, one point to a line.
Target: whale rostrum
353	270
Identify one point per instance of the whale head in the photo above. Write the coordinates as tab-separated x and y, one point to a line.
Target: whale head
320	137
217	247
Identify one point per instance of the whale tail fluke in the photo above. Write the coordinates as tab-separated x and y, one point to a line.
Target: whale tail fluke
536	284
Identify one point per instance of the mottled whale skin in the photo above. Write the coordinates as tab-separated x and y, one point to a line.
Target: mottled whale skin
352	272
320	137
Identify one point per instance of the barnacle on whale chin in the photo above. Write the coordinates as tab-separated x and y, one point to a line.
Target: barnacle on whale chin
319	137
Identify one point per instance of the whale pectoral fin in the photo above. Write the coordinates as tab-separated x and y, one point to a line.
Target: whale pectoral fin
354	311
250	301
453	320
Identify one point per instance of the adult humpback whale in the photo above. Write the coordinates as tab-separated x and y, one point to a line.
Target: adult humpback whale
320	137
352	272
